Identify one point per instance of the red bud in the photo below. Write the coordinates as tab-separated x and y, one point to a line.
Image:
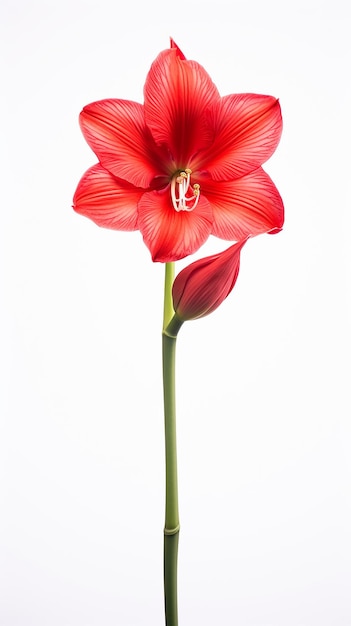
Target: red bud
202	286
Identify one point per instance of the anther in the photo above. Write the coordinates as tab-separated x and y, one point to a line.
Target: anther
179	188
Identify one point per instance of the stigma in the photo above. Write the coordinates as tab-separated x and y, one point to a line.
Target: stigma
179	188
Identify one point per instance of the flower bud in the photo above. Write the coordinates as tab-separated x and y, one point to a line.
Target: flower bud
202	286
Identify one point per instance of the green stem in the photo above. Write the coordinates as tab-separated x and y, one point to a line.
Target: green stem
170	578
171	326
172	515
168	310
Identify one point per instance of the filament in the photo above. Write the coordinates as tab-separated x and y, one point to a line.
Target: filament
179	188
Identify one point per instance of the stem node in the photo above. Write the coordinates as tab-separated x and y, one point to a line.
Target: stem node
172	531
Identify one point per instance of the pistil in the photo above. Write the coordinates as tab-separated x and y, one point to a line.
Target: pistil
179	187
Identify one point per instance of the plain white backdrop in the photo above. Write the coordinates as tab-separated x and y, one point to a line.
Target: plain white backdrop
264	419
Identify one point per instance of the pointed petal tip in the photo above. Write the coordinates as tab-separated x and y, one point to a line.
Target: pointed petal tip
173	45
275	231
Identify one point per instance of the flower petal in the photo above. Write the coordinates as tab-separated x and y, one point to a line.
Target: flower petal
244	207
116	132
202	286
247	131
177	93
106	200
179	52
172	235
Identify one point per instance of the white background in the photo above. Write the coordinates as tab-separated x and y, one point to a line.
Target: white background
264	420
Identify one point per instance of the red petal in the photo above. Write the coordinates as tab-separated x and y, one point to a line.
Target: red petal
174	45
247	131
177	93
116	131
107	201
202	286
170	235
244	207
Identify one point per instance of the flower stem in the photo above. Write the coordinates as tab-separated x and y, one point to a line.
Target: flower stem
170	578
171	326
168	310
172	515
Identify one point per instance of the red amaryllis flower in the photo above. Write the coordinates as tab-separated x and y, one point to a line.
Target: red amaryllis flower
202	286
185	164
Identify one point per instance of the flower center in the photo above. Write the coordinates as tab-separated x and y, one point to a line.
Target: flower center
179	188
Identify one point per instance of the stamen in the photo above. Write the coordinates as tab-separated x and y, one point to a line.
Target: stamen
179	187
